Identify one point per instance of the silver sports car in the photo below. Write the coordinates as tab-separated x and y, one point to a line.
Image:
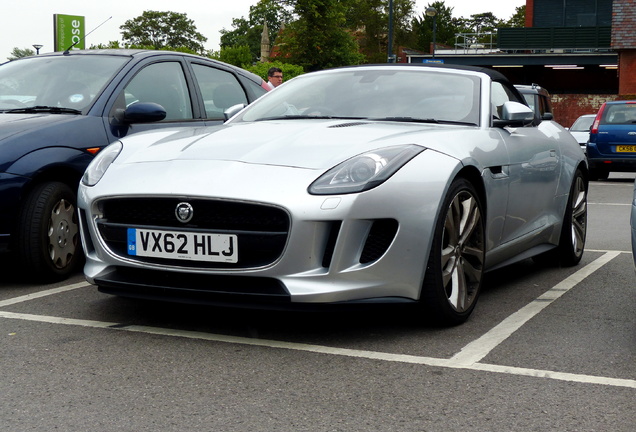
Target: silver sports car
389	183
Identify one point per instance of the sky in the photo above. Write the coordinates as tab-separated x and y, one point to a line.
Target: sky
24	23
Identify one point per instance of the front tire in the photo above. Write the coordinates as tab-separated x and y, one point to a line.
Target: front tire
574	230
453	278
49	245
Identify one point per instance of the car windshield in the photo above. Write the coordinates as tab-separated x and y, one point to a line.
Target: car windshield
582	124
57	83
373	93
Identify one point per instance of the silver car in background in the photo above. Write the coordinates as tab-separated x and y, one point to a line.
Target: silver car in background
370	184
581	127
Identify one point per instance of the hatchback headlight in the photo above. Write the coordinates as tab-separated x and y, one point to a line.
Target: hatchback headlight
365	171
100	164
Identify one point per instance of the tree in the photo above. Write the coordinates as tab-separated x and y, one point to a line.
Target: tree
369	19
318	39
518	19
20	52
446	27
162	30
237	55
248	32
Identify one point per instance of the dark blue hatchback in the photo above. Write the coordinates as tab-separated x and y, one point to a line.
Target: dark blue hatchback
58	110
612	143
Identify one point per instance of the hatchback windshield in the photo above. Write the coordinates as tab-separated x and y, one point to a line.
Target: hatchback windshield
55	81
583	124
622	113
379	94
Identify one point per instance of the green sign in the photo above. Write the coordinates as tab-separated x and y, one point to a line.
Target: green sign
68	32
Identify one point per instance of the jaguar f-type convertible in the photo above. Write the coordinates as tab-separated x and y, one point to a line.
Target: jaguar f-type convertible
369	184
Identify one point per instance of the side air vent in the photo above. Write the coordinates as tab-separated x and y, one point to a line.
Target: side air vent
334	230
379	239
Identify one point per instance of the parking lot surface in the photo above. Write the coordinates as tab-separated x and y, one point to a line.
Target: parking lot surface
547	349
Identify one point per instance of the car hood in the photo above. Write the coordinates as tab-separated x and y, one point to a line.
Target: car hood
311	144
12	124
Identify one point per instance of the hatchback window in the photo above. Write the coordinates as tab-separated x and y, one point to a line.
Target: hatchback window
620	114
162	83
220	90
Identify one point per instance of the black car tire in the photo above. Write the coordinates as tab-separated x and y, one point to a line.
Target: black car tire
453	278
574	228
49	245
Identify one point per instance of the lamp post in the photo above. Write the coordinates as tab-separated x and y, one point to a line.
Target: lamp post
37	48
432	12
390	57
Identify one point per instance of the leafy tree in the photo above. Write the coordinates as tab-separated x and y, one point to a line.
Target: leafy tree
238	56
518	19
163	30
20	52
370	19
446	27
318	39
248	32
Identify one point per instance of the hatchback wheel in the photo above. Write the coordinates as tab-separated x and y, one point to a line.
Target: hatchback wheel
48	238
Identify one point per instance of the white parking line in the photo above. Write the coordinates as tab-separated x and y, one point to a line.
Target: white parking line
370	355
467	359
480	348
41	294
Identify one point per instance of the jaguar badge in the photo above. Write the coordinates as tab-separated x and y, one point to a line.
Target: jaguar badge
184	212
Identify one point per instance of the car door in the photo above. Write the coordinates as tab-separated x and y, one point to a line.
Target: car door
533	172
219	90
163	82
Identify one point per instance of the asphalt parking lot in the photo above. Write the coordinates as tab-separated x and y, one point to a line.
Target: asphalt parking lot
547	349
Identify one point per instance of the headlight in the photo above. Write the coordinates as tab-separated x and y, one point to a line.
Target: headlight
365	171
100	164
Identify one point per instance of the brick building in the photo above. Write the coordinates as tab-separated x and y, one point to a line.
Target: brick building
570	47
624	42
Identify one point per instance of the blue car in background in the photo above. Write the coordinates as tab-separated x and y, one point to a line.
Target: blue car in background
612	143
58	110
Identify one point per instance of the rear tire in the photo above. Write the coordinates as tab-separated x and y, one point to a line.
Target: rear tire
574	229
49	245
453	278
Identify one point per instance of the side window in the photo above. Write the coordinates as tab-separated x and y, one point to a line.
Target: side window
498	96
220	90
501	94
162	83
545	105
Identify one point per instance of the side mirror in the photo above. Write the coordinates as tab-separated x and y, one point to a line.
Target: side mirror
514	114
547	116
233	110
144	112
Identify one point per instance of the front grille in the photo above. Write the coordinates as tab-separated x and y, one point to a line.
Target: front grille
262	230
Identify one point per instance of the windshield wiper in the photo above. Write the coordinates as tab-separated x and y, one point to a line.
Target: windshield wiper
43	109
305	117
423	120
406	119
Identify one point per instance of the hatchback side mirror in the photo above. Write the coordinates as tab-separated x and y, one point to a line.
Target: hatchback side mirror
144	112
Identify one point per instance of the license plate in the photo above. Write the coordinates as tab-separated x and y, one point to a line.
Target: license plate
183	245
626	148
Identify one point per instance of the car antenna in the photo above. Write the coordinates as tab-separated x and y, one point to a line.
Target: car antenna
75	43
